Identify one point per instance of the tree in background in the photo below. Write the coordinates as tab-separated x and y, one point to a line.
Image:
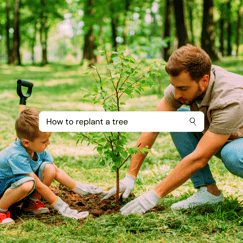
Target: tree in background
190	6
208	30
239	28
181	29
166	51
229	28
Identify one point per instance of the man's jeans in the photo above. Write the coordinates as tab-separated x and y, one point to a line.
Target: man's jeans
231	155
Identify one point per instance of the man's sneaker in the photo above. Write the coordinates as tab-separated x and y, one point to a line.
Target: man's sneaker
201	197
34	207
5	218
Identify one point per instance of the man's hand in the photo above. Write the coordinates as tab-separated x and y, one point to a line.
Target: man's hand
86	190
141	204
64	210
126	186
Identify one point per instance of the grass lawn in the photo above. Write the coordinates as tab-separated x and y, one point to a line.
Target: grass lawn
58	88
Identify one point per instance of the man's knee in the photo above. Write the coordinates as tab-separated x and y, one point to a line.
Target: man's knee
233	161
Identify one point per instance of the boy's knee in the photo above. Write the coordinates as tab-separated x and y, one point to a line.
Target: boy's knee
49	170
28	186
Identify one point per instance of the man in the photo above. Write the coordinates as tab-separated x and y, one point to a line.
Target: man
219	95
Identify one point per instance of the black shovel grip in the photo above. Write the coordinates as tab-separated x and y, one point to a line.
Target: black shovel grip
27	84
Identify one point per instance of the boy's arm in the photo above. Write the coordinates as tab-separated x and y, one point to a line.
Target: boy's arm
56	202
44	190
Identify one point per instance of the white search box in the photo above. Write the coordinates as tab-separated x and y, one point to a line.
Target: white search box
123	121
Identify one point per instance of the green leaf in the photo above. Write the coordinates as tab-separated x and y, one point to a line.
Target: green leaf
128	91
121	49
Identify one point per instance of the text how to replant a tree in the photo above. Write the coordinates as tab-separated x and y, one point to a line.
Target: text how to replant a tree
125	76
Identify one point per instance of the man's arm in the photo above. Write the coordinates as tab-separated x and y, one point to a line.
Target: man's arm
147	139
209	144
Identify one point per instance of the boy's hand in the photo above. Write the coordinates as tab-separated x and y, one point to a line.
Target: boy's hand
66	211
86	190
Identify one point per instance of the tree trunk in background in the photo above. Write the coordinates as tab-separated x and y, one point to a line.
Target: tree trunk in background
114	32
166	52
229	29
89	47
180	23
7	31
32	44
208	30
190	5
18	37
239	29
127	5
43	33
89	41
222	28
14	54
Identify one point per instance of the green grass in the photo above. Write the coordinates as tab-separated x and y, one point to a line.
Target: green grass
58	87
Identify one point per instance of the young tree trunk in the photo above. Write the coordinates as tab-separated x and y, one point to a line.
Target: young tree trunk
7	31
222	24
190	5
229	29
14	54
239	29
180	23
208	30
166	52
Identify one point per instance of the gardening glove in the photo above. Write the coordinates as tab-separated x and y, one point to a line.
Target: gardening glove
141	204
86	190
64	210
126	186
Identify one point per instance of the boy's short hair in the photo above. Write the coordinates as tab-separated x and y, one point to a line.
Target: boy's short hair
27	124
191	59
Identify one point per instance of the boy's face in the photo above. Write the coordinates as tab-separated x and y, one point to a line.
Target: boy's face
39	144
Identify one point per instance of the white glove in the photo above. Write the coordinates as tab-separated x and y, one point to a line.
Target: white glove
64	210
86	190
141	204
126	185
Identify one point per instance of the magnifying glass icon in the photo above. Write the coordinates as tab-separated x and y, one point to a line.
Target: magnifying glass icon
192	120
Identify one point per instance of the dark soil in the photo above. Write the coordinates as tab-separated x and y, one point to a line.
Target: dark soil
93	204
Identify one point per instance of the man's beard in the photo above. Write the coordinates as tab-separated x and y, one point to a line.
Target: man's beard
199	95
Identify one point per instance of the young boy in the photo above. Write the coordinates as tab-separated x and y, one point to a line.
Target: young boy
27	169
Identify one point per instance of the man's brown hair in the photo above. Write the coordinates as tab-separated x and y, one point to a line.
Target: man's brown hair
27	124
191	59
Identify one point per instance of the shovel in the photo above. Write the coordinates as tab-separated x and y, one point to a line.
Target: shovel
23	98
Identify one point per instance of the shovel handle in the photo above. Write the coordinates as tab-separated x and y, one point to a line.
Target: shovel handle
27	84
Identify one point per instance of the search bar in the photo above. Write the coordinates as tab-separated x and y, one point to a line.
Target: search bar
123	121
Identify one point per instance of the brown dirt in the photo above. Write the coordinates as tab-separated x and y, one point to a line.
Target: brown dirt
92	204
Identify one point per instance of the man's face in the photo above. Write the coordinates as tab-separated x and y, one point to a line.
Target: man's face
187	91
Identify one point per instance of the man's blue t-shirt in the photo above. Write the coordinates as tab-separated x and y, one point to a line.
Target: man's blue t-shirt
14	160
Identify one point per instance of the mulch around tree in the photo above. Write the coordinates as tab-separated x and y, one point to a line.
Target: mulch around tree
92	204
